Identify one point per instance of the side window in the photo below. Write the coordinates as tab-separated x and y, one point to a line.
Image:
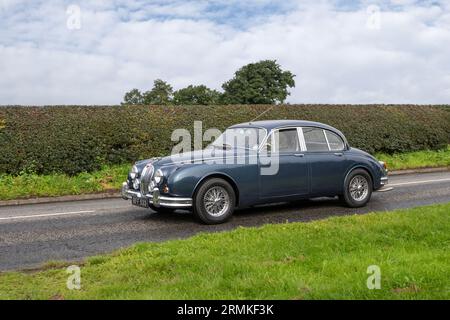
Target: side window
315	139
285	141
335	142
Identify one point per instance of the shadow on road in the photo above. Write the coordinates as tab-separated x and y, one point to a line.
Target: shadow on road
304	210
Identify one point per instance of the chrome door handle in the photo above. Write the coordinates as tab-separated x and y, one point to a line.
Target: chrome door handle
338	154
299	155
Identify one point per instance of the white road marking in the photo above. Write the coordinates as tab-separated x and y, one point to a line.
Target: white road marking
416	182
45	215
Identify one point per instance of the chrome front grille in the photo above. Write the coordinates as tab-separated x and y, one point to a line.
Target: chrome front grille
146	178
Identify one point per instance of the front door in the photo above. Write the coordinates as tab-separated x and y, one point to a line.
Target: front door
283	169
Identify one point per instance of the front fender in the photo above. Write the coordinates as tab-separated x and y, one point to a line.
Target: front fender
184	181
370	165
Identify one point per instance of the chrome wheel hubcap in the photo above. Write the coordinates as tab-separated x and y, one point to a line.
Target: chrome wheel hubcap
217	201
359	188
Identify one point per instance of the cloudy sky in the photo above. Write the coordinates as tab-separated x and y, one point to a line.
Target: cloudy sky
92	51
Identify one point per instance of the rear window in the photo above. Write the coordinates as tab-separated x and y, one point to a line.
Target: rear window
334	141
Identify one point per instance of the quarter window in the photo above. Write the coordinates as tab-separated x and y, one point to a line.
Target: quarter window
315	139
334	141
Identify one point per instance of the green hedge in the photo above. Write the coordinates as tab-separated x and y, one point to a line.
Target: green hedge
76	139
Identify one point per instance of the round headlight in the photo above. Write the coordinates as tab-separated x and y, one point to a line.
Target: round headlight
158	176
134	172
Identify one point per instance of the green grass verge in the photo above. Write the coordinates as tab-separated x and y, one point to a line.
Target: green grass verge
418	159
33	185
111	177
325	259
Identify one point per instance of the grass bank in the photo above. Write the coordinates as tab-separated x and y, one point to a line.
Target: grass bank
325	259
111	177
417	159
33	185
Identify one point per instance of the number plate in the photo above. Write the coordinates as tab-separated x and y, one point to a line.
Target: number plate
140	202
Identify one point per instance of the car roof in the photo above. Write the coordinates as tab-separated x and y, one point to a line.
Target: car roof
275	124
270	125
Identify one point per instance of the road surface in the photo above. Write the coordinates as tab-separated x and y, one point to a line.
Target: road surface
34	234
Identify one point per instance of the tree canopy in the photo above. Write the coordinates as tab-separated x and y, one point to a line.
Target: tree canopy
262	82
133	97
161	93
196	95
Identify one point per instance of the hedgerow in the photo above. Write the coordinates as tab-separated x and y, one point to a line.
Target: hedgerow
70	140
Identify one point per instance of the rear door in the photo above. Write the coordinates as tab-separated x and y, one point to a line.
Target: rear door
326	158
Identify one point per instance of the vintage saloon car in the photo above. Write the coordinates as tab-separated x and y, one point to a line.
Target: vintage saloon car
257	163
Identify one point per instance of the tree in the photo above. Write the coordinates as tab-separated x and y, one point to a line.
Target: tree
161	94
133	97
263	82
196	95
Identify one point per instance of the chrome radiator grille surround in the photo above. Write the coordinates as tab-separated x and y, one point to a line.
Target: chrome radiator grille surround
146	178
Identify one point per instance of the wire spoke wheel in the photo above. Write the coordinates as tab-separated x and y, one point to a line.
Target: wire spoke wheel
216	201
359	188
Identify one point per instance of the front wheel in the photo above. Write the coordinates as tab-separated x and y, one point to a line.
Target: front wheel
214	201
358	188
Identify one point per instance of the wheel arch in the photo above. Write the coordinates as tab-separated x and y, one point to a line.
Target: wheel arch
359	166
219	175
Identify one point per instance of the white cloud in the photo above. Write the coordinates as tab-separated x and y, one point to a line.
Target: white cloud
127	44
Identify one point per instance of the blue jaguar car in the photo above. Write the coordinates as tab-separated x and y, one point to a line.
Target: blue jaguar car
257	163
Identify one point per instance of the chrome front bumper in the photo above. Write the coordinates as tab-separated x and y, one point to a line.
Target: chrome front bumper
156	199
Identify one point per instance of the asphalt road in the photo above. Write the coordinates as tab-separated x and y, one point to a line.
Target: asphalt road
33	234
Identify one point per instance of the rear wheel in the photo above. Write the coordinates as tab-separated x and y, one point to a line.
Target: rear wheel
214	201
358	188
